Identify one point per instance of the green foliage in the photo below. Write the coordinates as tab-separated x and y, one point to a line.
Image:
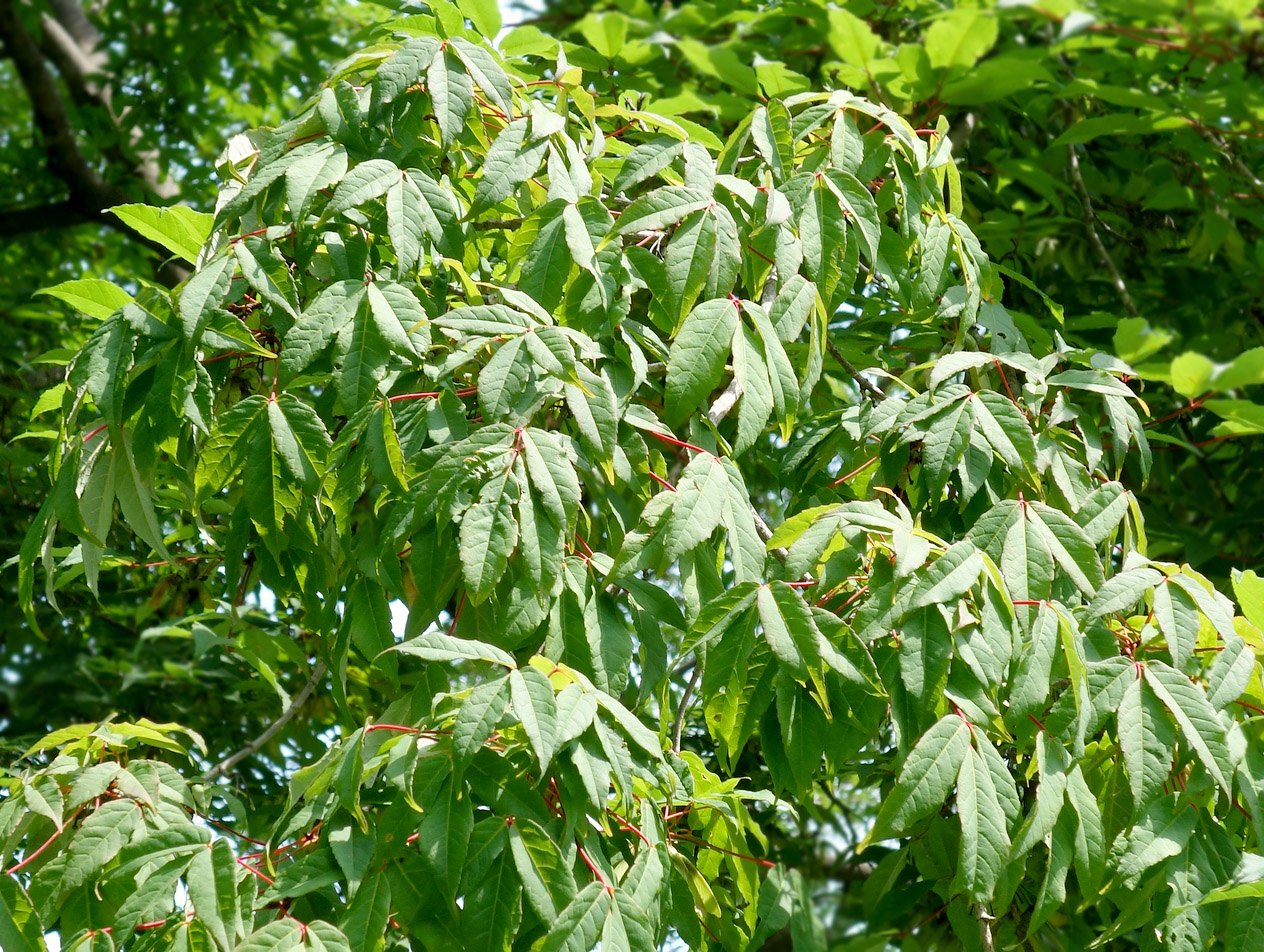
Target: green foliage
570	380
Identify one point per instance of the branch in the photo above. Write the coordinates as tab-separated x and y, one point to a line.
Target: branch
70	15
87	188
90	194
23	221
868	389
76	60
1086	204
231	761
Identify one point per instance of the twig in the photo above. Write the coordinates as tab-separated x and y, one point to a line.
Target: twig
495	223
985	928
1086	205
228	763
765	533
725	402
679	725
868	389
1223	148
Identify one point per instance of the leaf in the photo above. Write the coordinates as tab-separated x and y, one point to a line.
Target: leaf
504	378
925	779
493	909
20	928
861	208
1006	430
268	273
367	915
1245	927
323	937
279	935
307	176
482	66
369	180
1162	830
451	94
133	496
644	162
578	925
153	893
1196	718
434	646
510	161
698	505
1067	543
852	39
1147	739
959	38
702	258
536	707
444	835
790	630
203	293
1178	620
660	208
695	364
1122	592
552	475
594	405
178	228
546	878
92	296
949	577
212	885
477	717
405	67
770	131
399	317
946	441
984	837
489	534
322	321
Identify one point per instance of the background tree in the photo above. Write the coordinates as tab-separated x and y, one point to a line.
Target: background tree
106	104
555	358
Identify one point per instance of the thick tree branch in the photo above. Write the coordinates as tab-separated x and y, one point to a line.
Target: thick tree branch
228	763
1090	217
90	194
65	160
24	221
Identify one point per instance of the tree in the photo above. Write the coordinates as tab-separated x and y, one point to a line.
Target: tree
753	540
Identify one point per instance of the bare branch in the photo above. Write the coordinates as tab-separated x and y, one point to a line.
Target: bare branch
868	389
231	761
1090	217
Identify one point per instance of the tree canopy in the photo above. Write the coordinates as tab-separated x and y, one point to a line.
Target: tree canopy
726	475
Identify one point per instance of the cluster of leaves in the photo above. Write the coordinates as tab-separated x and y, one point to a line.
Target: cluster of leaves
571	380
1108	152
